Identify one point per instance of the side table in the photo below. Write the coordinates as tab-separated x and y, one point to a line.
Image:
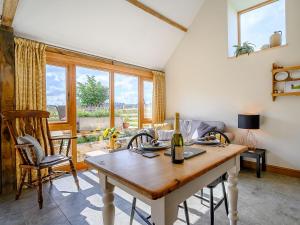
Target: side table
260	156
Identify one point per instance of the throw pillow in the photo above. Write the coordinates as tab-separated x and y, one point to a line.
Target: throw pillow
204	128
27	139
165	135
162	126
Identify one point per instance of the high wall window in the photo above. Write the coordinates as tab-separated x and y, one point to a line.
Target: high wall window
56	92
255	22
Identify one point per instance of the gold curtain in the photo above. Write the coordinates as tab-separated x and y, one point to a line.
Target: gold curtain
30	72
30	62
159	97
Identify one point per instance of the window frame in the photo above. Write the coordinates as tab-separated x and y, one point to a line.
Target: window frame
239	13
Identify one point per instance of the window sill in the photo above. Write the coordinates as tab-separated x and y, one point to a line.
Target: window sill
258	51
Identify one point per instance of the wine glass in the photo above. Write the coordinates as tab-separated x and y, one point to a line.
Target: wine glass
187	128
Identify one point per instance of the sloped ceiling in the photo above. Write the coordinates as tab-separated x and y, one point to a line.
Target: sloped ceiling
109	28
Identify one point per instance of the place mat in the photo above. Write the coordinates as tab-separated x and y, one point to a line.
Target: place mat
188	152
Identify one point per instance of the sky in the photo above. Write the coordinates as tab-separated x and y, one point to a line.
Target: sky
258	25
126	87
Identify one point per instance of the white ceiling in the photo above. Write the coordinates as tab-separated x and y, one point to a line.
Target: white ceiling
109	28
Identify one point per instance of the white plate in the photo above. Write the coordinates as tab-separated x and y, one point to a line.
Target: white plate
281	76
295	74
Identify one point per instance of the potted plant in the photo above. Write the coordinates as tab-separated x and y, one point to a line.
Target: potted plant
126	122
245	48
112	134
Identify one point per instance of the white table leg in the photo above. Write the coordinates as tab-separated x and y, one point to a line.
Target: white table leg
108	212
163	212
233	195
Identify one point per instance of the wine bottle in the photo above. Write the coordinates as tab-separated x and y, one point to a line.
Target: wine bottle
177	143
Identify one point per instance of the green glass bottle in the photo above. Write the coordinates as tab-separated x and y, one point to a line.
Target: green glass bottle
177	149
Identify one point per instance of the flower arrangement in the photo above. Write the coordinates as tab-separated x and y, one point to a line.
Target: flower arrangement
113	134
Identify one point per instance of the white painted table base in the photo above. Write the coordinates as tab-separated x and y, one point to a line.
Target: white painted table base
164	210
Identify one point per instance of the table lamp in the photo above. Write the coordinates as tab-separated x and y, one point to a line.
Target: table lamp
249	122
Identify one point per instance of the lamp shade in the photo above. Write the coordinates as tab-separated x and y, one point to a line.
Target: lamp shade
247	121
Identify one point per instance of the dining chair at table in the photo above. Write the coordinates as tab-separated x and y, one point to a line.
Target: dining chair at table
31	137
134	143
224	140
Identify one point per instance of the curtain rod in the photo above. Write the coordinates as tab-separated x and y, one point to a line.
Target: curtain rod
56	49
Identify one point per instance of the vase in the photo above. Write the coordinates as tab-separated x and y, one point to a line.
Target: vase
276	39
112	142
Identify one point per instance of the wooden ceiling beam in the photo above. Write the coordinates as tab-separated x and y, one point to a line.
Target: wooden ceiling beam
8	12
157	14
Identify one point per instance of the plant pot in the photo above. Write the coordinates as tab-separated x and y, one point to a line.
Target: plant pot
125	125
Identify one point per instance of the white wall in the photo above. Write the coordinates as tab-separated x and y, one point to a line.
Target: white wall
202	82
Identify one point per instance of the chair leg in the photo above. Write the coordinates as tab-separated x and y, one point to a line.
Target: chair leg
40	188
132	210
23	176
225	197
49	173
211	206
186	212
74	173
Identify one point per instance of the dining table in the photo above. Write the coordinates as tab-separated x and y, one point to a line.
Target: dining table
164	185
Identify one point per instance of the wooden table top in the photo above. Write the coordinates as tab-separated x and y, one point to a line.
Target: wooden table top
156	177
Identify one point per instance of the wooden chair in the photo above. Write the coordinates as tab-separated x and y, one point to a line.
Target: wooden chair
134	143
212	205
35	124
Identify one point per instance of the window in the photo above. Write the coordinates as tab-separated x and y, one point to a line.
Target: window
148	90
56	92
126	101
258	23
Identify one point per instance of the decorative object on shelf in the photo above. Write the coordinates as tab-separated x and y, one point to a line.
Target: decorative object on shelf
245	48
265	46
112	134
249	122
276	39
295	74
282	76
285	86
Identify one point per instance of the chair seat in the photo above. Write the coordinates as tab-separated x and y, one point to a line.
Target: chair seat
53	160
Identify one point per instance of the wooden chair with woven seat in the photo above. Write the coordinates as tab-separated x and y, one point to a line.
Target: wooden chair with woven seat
224	140
33	125
134	143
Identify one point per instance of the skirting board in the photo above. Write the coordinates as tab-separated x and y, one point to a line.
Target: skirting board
274	169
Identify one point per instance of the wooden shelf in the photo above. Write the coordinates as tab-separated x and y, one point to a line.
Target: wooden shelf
286	80
286	94
276	69
285	69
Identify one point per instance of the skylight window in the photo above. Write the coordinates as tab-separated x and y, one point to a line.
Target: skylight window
258	23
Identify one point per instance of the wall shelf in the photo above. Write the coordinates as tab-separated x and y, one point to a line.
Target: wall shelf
277	69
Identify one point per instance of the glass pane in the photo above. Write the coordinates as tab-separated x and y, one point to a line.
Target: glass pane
258	25
148	90
56	92
92	101
126	101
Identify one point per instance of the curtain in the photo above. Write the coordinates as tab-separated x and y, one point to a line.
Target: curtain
159	97
30	62
30	70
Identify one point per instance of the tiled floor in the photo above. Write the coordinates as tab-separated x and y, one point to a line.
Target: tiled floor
271	200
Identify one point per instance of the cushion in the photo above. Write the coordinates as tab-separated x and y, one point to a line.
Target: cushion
165	135
39	152
204	128
162	126
53	159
